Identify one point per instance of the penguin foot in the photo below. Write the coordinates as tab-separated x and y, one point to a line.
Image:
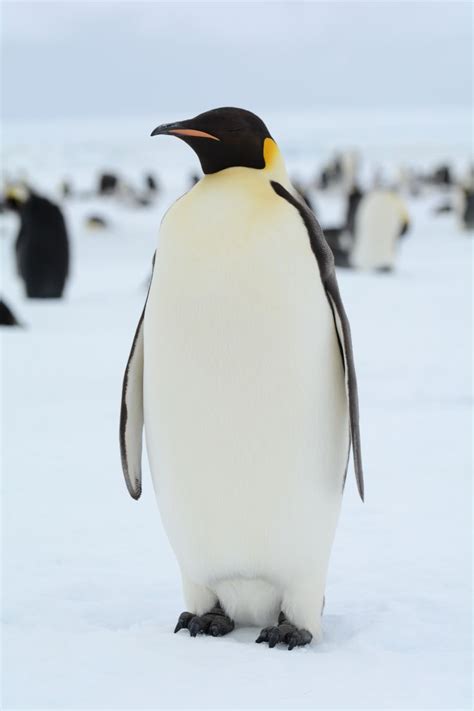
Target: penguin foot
286	633
214	623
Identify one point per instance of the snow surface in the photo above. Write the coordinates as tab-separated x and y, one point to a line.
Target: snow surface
91	590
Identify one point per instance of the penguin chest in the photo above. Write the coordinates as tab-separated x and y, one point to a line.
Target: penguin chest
245	404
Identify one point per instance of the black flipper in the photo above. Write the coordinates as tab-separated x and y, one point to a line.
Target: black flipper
131	412
325	260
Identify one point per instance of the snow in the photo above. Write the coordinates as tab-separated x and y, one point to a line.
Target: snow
91	590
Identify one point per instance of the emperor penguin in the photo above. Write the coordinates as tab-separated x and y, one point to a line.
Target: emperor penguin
380	220
42	244
242	373
341	239
463	202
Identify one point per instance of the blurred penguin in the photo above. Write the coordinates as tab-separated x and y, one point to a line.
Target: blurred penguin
108	184
96	223
322	183
151	183
66	189
7	317
341	239
353	200
442	176
350	167
380	221
467	215
42	245
131	197
464	205
331	174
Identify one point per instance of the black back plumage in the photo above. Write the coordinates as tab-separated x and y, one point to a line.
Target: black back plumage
42	248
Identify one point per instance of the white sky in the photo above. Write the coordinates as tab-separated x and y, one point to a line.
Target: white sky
79	59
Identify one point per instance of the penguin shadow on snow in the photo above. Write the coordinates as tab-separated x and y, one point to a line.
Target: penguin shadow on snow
339	631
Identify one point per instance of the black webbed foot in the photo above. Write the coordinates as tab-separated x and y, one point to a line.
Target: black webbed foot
214	623
286	633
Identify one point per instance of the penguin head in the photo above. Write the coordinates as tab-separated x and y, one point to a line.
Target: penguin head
16	195
224	138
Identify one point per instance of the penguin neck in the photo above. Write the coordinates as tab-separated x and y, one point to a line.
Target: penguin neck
274	169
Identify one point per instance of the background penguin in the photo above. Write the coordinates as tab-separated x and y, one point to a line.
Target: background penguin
241	371
193	179
132	197
66	189
96	222
380	220
463	202
151	183
332	173
7	317
350	167
467	210
108	184
341	239
441	176
323	181
353	200
443	208
42	246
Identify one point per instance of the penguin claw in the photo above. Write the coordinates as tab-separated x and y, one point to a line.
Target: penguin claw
274	637
183	621
214	623
214	630
263	636
285	632
292	640
196	625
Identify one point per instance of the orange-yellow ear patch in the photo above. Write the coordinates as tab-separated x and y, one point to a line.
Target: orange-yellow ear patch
270	152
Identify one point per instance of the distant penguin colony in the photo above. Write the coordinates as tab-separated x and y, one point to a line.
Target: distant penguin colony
242	374
42	245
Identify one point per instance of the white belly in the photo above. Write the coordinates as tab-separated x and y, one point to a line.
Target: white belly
378	224
246	415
